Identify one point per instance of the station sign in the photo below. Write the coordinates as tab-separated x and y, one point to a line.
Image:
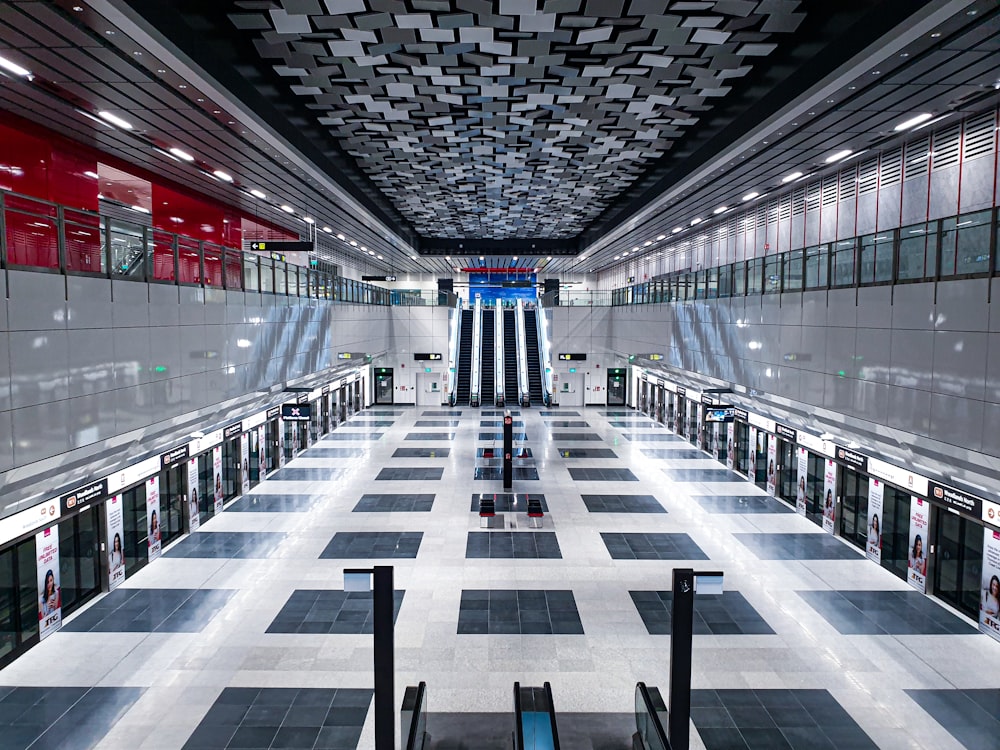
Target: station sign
426	356
80	498
573	357
175	456
296	412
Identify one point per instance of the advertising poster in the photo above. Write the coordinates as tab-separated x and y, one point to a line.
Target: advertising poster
989	606
217	478
194	501
802	475
730	436
49	595
245	459
281	443
153	537
830	496
262	452
772	464
876	491
114	508
718	434
752	457
916	557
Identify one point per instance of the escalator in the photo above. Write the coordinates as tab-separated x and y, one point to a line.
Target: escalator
510	390
487	359
462	391
535	718
534	361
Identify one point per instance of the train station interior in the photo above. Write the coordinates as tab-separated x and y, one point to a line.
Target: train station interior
438	374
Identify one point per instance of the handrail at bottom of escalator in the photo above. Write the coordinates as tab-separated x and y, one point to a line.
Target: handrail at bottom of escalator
414	740
653	723
519	728
552	716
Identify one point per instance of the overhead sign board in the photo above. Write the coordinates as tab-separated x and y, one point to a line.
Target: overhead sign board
963	502
77	499
426	356
175	456
378	278
296	412
785	432
573	357
853	459
719	413
274	246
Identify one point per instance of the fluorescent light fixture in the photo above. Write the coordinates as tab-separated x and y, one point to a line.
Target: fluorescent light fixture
13	67
309	220
617	257
696	220
661	238
840	155
140	209
790	177
720	209
913	121
380	257
258	193
114	120
675	230
751	195
447	257
549	258
413	257
184	155
635	249
341	237
328	230
481	257
223	175
353	243
243	343
92	175
364	249
288	209
515	257
647	243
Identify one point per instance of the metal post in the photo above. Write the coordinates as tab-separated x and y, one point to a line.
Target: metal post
681	643
385	721
508	450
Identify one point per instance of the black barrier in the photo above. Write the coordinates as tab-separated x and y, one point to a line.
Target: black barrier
508	451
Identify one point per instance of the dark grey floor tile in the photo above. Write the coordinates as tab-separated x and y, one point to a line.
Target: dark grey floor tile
499	423
421	453
971	716
587	453
808	546
741	504
653	437
430	436
151	610
442	413
519	452
394	503
513	545
513	612
228	544
576	436
884	613
410	474
274	718
495	472
498	413
659	546
728	613
622	504
333	453
63	718
329	612
274	503
296	474
558	413
632	424
505	502
679	451
346	435
566	423
373	545
584	474
622	413
436	423
703	475
499	436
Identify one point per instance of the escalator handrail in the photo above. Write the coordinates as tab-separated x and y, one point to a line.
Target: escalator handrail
499	386
552	716
477	343
523	385
519	728
661	735
418	708
455	347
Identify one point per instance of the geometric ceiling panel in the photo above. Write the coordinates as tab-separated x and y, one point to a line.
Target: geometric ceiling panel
512	119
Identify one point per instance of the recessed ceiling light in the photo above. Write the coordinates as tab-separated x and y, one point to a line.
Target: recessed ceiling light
617	257
258	193
353	243
515	257
184	155
624	253
549	258
114	120
92	175
720	209
647	243
364	249
288	209
913	121
447	257
675	230
661	238
371	252
341	237
751	196
481	257
635	249
696	220
328	230
223	175
78	8
13	67
790	177
839	156
309	220
380	257
413	257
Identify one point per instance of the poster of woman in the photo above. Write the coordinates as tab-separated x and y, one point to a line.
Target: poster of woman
830	497
49	593
772	460
116	535
800	485
245	470
989	605
873	548
153	536
916	558
261	453
730	455
220	494
194	511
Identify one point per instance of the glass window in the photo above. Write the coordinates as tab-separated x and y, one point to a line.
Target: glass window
875	264
250	273
739	279
726	281
188	261
136	531
32	240
772	274
266	274
78	559
755	272
213	266
234	270
84	241
792	271
895	530
280	278
712	283
816	267
918	251
843	263
853	490
162	247
127	250
965	244
815	482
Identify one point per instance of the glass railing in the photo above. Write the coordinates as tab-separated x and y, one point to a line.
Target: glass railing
38	235
650	712
423	297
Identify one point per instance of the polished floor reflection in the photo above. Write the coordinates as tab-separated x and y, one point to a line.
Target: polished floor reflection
242	632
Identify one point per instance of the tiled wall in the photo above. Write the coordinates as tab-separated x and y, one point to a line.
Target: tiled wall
84	360
892	356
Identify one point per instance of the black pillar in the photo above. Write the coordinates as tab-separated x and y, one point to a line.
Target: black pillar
508	451
385	720
681	642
